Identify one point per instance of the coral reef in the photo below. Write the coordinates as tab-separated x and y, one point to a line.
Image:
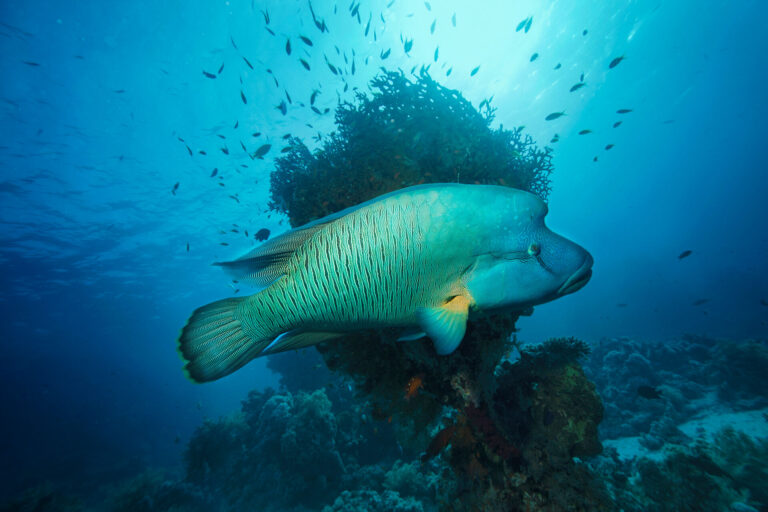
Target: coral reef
505	430
692	374
727	473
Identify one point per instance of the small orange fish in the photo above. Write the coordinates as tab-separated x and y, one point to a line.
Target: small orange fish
414	384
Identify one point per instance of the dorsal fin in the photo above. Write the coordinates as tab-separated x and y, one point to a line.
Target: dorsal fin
267	263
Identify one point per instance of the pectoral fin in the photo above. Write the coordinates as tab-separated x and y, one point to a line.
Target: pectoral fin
446	324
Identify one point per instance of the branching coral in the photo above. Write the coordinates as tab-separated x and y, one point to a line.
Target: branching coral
404	133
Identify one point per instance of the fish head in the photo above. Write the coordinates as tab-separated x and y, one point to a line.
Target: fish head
528	264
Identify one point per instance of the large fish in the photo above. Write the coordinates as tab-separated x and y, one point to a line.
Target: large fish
421	258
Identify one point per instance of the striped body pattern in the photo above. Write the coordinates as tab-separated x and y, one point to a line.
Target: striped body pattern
371	268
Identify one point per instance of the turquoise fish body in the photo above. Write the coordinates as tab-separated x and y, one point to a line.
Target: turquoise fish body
420	258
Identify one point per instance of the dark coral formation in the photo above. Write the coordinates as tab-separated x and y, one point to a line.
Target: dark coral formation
404	133
411	132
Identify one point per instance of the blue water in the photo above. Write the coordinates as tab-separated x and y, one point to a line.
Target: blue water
95	276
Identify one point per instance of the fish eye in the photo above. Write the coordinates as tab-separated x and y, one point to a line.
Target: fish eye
534	249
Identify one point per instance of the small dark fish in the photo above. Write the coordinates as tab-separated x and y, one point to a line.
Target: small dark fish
261	151
684	254
233	42
554	115
187	246
242	97
436	53
764	302
215	172
189	150
285	149
355	11
306	40
368	25
352	70
305	64
332	68
700	302
432	27
577	86
448	73
223	243
521	25
288	46
584	132
669	121
249	64
581	79
266	16
236	199
609	146
225	150
474	71
584	32
558	66
237	123
384	54
316	110
453	19
616	124
648	392
428	6
624	111
209	75
407	45
595	159
221	68
528	25
175	188
288	97
282	107
615	62
269	30
534	57
261	234
312	98
202	152
30	63
243	146
256	134
286	136
119	91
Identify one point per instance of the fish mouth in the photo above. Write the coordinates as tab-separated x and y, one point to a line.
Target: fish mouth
578	279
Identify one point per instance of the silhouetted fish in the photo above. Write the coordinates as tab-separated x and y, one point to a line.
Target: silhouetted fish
261	234
554	115
175	188
624	111
685	254
615	62
700	302
576	87
474	71
209	75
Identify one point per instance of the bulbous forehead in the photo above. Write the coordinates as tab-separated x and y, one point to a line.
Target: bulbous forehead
525	205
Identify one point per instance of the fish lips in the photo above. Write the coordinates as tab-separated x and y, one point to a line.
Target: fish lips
578	279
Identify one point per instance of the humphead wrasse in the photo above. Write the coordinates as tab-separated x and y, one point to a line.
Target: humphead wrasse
421	258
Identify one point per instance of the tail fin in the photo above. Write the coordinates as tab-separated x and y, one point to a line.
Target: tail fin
213	343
